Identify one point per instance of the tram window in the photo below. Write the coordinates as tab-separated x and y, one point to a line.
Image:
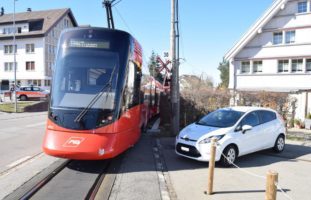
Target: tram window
74	81
80	75
98	76
137	96
132	88
129	88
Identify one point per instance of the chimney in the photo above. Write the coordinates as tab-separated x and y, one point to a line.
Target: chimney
29	10
1	11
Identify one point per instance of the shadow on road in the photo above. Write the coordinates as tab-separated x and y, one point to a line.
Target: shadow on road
291	153
140	158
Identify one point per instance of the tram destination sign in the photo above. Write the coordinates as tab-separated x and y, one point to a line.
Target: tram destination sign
82	43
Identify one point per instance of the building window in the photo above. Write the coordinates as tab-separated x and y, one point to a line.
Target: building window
290	37
257	66
302	7
297	65
66	23
9	66
283	66
30	48
8	49
47	82
9	30
278	38
245	67
308	63
30	66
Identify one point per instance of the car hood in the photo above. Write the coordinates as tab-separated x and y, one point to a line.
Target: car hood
196	132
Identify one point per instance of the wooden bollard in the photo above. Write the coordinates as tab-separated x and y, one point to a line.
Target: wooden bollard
271	189
211	166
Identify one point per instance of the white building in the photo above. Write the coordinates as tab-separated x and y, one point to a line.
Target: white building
275	53
37	34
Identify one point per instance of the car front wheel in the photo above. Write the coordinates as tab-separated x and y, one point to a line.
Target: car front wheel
279	144
229	156
23	98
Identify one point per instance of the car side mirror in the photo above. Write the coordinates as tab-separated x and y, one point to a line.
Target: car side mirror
246	128
238	128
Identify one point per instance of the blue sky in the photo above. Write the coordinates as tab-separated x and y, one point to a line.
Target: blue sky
208	28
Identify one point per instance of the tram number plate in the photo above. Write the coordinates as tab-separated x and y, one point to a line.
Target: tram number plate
185	149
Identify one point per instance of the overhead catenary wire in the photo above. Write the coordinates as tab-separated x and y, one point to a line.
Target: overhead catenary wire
116	2
123	20
181	48
132	33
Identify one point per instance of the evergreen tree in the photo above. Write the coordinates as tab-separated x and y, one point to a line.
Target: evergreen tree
154	67
152	64
224	74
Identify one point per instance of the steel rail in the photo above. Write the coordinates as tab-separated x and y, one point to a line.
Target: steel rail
98	182
44	181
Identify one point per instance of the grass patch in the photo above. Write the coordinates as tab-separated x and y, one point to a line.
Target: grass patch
10	107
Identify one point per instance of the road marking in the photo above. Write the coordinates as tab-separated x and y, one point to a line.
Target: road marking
15	163
35	125
20	116
165	195
20	163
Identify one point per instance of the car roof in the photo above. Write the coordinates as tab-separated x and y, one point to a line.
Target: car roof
247	108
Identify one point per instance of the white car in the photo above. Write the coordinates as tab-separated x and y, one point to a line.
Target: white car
239	131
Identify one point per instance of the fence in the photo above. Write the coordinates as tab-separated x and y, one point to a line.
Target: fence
271	179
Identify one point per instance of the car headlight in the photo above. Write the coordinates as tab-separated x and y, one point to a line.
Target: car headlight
208	140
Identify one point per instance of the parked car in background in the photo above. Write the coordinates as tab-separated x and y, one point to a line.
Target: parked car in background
238	130
31	92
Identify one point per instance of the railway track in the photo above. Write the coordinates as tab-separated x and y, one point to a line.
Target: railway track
72	180
44	181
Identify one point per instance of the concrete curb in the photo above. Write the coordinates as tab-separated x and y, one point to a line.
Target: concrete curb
166	187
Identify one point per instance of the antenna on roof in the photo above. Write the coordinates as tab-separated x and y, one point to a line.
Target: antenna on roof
1	11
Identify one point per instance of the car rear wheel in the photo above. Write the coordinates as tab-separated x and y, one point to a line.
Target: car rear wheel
279	144
229	156
23	98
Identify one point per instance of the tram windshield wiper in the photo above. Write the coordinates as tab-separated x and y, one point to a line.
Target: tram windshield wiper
108	86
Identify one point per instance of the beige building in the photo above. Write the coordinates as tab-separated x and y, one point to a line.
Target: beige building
37	34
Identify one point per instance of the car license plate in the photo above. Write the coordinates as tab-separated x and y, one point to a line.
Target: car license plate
185	149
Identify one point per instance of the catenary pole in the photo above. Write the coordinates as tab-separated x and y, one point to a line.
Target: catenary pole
177	67
14	53
175	73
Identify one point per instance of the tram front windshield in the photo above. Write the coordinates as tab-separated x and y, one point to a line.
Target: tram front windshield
88	78
81	74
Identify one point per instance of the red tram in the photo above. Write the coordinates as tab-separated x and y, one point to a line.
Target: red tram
97	107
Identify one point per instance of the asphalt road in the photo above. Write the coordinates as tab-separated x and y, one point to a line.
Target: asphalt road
189	177
21	137
21	155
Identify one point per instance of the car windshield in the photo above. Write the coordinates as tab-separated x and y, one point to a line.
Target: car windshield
221	118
